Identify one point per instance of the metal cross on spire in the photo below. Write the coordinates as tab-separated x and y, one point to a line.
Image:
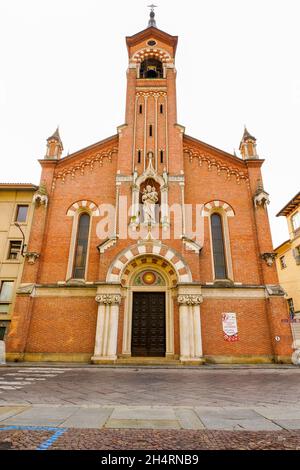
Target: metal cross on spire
152	22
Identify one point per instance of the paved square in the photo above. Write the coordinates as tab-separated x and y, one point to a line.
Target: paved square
212	398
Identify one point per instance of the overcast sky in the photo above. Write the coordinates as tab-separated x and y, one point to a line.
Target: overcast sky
64	62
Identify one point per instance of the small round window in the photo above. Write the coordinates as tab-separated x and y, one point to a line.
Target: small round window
151	43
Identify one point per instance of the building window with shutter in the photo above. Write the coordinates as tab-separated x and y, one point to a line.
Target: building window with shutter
296	221
291	308
282	262
296	253
6	295
14	249
81	246
218	246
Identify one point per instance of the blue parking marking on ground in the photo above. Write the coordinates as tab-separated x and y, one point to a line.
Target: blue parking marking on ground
44	445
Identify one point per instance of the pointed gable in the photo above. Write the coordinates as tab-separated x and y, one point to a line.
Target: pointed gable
142	38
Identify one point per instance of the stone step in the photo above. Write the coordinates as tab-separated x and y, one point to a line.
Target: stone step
163	361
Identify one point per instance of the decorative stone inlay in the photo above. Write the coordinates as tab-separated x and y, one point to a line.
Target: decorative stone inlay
209	206
154	93
269	258
89	205
149	278
213	163
128	255
153	52
31	257
189	299
108	299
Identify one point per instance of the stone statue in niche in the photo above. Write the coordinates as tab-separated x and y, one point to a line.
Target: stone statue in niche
149	199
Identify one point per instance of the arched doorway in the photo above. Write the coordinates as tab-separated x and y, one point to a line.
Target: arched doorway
149	308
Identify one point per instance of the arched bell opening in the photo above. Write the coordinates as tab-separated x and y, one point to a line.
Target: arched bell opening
151	68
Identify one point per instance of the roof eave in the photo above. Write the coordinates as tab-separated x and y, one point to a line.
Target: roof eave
290	206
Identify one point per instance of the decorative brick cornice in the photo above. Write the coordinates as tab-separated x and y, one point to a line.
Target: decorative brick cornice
108	299
83	164
189	299
212	162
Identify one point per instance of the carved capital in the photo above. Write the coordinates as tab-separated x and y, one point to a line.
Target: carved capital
31	257
189	299
261	199
25	288
274	290
108	299
40	197
269	258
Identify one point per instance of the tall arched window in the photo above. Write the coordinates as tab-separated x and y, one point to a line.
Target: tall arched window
218	246
81	246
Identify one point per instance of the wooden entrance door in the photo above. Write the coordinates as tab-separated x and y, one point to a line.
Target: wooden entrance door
148	324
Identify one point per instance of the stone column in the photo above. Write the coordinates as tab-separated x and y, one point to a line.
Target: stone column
190	328
107	328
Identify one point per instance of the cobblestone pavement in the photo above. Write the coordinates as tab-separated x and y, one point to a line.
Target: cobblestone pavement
141	386
93	439
148	408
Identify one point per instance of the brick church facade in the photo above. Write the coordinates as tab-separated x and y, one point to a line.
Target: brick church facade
150	246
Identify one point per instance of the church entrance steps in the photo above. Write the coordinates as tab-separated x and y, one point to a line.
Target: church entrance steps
157	361
148	361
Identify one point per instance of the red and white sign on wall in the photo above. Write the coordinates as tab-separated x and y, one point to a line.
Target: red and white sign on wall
230	329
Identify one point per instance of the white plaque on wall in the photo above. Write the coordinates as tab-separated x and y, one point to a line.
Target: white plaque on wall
230	329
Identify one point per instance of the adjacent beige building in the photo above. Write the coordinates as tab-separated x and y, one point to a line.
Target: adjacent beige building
288	256
16	211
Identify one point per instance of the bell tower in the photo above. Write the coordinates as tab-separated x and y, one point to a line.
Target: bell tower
151	116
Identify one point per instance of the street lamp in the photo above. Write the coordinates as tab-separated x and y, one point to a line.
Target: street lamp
24	245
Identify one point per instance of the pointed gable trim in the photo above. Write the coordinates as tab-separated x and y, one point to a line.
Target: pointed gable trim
150	33
188	139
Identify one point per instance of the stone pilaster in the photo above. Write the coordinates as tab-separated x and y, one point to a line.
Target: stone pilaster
107	328
190	328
